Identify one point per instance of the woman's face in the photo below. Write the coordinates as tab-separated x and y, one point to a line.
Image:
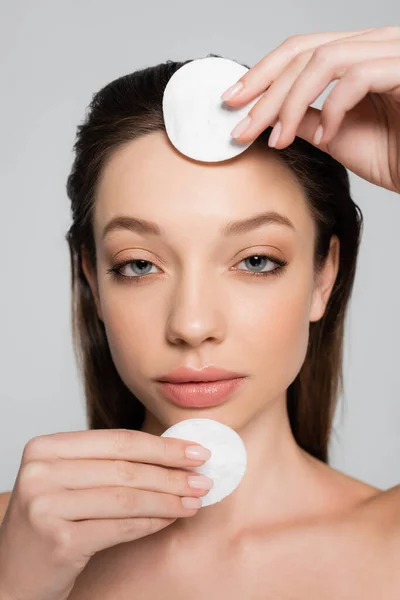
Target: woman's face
196	301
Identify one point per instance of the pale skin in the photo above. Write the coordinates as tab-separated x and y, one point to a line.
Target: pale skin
174	316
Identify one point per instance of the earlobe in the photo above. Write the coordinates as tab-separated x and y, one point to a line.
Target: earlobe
91	279
325	281
317	307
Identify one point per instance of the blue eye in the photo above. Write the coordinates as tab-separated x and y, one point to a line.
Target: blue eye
259	258
141	266
116	270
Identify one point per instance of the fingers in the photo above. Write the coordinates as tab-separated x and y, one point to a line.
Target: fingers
326	64
261	75
266	110
388	32
288	98
123	444
55	512
38	477
93	536
376	76
106	503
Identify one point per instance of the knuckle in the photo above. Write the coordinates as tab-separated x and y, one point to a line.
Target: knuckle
156	523
293	44
33	448
302	58
152	523
174	479
124	498
39	509
31	474
63	543
169	450
129	526
33	471
126	471
138	527
358	73
122	440
322	54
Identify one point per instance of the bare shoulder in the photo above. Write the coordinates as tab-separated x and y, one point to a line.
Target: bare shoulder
342	544
366	534
4	500
377	522
353	491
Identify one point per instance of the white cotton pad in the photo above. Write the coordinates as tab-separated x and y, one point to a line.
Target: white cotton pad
228	462
197	121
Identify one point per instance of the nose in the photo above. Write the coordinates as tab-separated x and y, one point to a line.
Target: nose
197	312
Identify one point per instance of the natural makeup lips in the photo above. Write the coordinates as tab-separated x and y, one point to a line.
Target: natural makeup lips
200	394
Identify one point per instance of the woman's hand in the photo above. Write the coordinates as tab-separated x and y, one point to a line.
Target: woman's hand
360	117
79	492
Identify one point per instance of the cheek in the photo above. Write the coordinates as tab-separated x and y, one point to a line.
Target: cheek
274	328
129	326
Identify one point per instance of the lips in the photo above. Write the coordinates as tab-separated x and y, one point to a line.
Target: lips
200	394
210	373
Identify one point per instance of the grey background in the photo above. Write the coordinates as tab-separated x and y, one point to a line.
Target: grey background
53	56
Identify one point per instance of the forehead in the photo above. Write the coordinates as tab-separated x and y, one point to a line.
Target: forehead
149	178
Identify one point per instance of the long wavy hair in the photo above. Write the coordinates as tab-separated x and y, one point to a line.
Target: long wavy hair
130	107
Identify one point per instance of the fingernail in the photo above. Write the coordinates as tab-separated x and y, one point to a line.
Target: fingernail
318	135
200	481
198	453
275	133
241	127
232	91
190	502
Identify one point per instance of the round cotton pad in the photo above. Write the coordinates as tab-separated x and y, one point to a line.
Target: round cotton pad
197	121
228	462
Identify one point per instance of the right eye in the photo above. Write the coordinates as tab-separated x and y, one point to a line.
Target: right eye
116	270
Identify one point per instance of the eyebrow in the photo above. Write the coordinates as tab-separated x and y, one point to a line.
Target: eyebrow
231	228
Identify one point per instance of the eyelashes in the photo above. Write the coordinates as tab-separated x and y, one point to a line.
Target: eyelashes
117	275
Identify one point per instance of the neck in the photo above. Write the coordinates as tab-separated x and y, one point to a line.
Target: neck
279	487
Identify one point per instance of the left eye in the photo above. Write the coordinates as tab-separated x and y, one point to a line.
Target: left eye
260	260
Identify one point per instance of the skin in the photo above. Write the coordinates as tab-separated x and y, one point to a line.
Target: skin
360	523
174	316
359	122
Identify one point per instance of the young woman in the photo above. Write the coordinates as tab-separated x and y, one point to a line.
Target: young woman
246	265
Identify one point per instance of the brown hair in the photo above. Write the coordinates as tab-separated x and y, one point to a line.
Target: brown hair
130	107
